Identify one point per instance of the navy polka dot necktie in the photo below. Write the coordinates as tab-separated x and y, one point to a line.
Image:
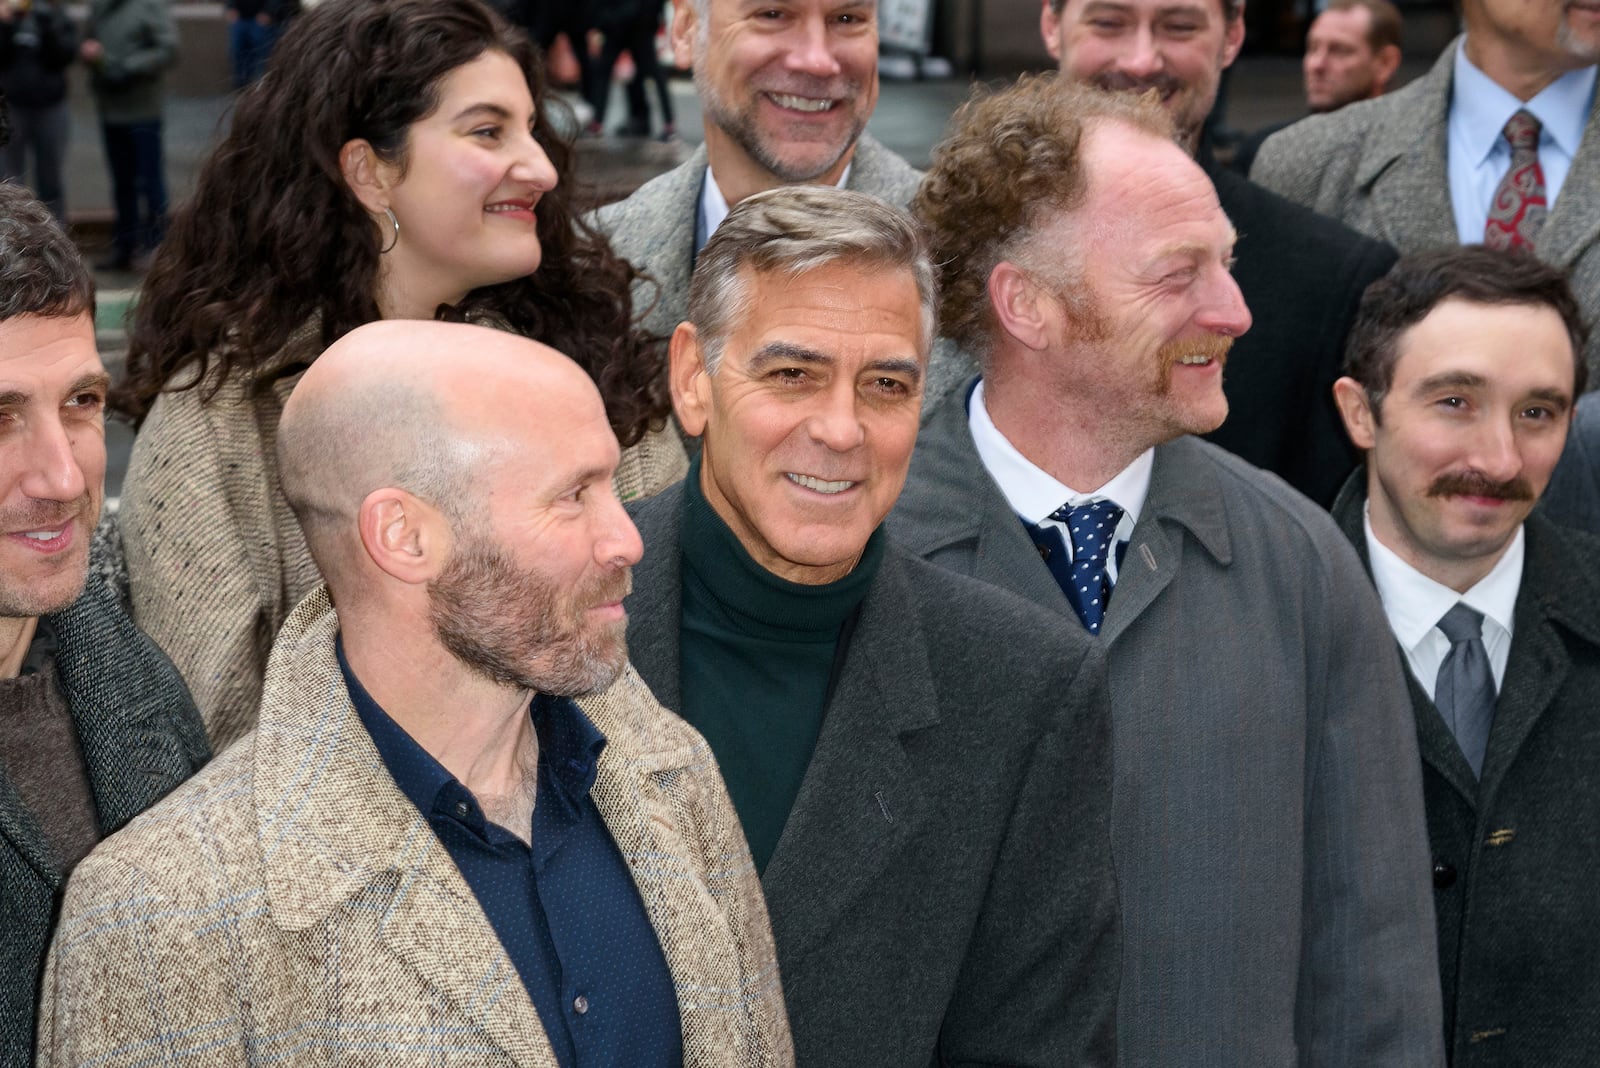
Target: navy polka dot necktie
1093	530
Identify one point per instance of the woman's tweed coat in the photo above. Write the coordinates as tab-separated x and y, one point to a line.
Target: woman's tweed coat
289	905
215	557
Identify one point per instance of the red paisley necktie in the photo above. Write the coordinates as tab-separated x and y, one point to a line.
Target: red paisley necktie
1519	206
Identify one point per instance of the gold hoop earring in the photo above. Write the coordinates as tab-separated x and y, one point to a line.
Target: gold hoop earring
394	222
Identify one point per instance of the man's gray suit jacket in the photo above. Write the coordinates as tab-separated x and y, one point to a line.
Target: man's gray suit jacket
1267	822
943	890
654	228
1573	496
1515	853
1380	167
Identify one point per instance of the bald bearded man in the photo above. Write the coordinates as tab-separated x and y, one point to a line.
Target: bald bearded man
426	839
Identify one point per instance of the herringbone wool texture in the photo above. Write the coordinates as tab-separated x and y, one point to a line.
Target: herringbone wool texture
215	557
290	906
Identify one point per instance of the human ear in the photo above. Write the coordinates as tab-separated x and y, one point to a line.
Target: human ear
690	382
368	177
1015	299
403	536
1355	408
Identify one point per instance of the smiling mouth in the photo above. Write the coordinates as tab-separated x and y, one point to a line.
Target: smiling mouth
818	484
802	103
510	206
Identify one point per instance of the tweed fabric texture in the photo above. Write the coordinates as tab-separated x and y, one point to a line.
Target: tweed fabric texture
1380	166
140	736
215	557
290	905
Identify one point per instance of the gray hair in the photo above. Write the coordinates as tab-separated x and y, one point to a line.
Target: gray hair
794	229
41	272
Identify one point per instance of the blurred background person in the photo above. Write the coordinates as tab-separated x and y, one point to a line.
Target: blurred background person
128	45
38	42
253	29
631	26
1352	53
397	163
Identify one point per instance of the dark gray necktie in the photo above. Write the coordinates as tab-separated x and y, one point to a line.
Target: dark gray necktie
1464	691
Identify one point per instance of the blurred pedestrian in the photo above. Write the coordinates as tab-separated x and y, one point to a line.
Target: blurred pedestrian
398	163
631	26
253	29
128	45
38	42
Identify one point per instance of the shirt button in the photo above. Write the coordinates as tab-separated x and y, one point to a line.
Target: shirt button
580	1004
462	808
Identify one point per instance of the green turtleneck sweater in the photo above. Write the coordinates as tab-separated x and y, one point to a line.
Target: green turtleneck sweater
758	655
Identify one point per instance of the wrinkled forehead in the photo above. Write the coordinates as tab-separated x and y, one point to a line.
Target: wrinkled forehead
47	352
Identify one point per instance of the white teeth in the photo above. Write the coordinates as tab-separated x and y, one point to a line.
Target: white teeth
819	485
505	207
42	535
800	103
1194	361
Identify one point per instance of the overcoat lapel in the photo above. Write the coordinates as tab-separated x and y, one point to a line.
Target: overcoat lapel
655	608
861	799
313	757
18	827
1574	224
1405	168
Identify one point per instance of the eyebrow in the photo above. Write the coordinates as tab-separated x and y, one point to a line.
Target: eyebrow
16	398
474	110
786	352
1451	380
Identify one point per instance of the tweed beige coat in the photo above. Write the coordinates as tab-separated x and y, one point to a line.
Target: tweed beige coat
289	905
215	557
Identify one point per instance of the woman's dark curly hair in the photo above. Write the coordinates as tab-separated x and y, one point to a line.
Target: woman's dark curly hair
273	235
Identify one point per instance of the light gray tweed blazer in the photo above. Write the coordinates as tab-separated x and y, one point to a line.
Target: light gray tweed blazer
1267	817
1380	167
654	228
289	905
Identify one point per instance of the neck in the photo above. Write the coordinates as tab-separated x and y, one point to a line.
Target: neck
1073	442
478	729
1523	76
738	176
401	296
15	637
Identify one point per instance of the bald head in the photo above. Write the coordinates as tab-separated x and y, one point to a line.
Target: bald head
417	406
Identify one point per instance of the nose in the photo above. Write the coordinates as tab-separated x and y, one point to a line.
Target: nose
835	421
618	544
1496	456
1144	58
1226	313
1315	59
810	52
51	468
533	167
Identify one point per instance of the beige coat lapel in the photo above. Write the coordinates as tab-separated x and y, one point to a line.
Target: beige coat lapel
314	757
657	790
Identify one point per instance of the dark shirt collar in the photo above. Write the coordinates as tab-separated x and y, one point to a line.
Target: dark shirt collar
42	650
569	749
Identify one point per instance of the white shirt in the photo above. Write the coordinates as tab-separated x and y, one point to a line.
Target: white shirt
1033	493
1415	603
714	206
1479	155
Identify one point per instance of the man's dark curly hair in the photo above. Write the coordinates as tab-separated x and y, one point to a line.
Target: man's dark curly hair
273	236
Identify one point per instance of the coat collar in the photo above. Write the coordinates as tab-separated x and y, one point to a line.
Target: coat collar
1560	591
1405	166
862	798
1184	496
333	827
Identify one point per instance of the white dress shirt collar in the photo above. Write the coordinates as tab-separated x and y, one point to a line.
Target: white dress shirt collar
1414	604
714	206
1032	493
1483	107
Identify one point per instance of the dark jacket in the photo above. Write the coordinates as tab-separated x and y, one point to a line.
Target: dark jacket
141	42
140	735
1515	854
36	48
942	892
1302	276
1573	496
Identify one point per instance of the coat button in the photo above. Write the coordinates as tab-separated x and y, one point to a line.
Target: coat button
580	1004
1444	875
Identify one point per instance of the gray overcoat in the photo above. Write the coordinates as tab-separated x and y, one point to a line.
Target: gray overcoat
1268	821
